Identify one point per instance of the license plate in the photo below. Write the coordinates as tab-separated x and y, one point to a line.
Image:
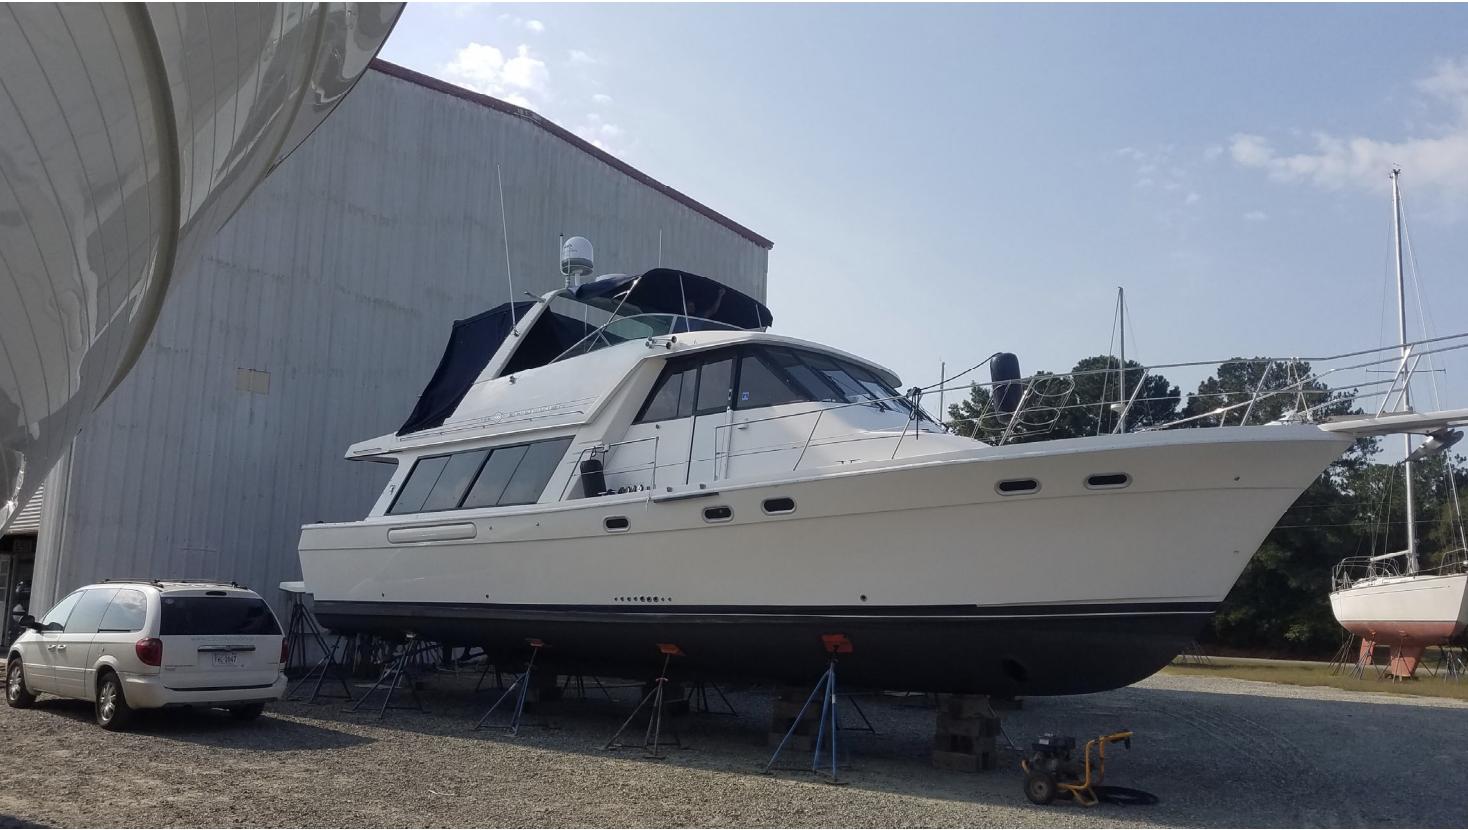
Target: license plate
226	658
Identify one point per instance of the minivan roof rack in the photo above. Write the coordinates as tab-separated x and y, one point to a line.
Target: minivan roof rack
156	581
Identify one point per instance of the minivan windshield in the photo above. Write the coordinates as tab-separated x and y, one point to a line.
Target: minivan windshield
198	616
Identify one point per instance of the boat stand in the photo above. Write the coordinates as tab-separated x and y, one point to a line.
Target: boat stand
519	688
579	681
835	644
700	699
499	682
399	673
328	664
652	736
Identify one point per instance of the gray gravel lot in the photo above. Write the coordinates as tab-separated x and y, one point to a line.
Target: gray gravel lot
1218	752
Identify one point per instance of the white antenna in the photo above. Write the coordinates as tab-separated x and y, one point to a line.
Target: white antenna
505	231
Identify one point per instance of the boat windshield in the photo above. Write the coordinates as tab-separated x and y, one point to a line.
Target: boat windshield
641	327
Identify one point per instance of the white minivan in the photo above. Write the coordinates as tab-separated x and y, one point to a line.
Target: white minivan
129	645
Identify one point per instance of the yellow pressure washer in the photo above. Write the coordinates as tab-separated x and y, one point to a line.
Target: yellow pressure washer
1052	771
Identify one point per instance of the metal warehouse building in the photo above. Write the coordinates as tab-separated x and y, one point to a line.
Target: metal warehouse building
318	316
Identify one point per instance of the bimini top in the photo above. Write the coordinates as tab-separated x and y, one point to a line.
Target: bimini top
471	345
670	291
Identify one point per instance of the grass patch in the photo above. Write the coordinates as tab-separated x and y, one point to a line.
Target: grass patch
1303	674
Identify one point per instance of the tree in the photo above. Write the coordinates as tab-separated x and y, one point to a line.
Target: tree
1223	400
1073	405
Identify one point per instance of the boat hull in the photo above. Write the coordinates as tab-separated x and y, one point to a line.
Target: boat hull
1031	650
1421	610
941	582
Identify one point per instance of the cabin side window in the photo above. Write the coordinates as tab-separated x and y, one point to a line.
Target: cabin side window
496	477
672	396
715	383
763	383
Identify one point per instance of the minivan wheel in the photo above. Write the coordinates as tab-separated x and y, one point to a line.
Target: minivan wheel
16	694
112	710
247	712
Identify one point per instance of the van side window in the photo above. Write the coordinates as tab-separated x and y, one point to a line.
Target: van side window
55	619
89	610
128	612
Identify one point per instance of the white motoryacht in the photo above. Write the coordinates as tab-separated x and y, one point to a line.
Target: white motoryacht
703	482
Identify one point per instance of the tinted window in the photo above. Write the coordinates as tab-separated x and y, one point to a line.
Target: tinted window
534	471
419	484
851	390
495	476
128	612
761	384
713	386
60	611
874	385
448	491
88	611
815	386
673	395
216	615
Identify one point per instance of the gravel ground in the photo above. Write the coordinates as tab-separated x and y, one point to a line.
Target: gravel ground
1218	752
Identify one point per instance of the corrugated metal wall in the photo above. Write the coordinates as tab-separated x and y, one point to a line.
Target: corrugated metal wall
318	316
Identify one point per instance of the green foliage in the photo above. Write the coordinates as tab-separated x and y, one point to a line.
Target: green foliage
1071	406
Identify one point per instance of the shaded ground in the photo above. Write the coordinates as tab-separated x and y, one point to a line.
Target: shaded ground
1219	752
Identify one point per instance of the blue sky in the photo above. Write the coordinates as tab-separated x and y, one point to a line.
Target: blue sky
942	182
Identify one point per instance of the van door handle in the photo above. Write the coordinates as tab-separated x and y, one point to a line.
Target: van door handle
61	647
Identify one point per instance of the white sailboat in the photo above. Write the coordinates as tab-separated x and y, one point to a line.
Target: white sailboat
1389	599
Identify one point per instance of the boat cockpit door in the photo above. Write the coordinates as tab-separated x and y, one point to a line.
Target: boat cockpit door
711	411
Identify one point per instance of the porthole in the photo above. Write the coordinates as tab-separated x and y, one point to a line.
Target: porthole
717	514
1017	486
1108	481
778	505
616	524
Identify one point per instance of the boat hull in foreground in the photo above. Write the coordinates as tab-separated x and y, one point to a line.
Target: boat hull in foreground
940	581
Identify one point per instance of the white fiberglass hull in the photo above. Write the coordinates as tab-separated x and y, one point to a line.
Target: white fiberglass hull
129	134
941	582
1419	610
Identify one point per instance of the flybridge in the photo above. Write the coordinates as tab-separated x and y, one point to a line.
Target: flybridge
516	337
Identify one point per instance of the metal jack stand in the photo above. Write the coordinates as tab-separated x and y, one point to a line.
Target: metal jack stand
700	699
653	734
401	666
521	685
825	687
326	665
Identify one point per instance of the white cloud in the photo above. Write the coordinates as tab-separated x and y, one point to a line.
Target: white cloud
537	27
524	71
602	99
579	57
1191	199
1255	216
485	69
1437	159
600	133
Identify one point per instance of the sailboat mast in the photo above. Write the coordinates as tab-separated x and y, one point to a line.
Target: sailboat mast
1121	386
1406	381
